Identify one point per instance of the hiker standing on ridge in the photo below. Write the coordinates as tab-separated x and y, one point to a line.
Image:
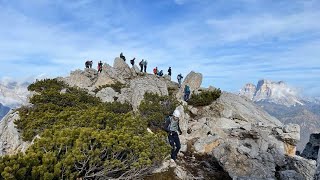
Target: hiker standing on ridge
100	67
155	71
173	129
132	61
141	65
86	64
186	93
179	77
169	71
122	56
145	65
90	64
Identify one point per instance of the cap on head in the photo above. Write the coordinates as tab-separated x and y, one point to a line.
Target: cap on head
176	113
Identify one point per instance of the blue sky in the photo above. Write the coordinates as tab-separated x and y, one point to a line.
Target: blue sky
231	42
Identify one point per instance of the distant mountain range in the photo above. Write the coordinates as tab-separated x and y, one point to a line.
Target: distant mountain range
12	95
286	104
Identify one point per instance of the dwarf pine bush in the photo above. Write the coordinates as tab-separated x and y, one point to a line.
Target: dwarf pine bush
204	98
81	137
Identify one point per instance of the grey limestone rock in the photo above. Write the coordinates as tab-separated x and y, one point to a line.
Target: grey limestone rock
10	140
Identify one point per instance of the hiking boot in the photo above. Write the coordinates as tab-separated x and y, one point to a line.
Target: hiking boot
172	163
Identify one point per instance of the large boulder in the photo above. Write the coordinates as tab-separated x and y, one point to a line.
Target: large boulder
247	142
122	68
139	86
193	80
10	140
83	79
107	94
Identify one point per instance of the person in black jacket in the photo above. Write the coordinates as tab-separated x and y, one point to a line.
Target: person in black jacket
169	71
173	129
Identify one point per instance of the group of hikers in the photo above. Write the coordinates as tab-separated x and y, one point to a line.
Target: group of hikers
172	121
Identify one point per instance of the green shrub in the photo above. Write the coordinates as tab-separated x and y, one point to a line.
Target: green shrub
204	98
81	137
155	108
116	87
172	90
46	84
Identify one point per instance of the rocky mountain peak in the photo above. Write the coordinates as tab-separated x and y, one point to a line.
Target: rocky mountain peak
276	92
246	141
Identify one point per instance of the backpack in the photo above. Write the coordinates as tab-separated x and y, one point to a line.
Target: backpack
187	89
140	63
166	123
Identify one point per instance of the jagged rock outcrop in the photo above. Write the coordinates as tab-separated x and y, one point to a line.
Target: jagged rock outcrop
122	68
276	92
10	140
83	79
139	86
246	141
193	80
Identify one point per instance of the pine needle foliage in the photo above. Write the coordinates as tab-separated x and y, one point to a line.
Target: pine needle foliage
204	98
155	108
81	137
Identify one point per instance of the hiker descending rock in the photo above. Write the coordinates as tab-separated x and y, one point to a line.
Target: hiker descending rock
88	64
155	71
122	56
145	63
100	67
132	61
160	73
173	129
141	65
179	77
186	93
169	71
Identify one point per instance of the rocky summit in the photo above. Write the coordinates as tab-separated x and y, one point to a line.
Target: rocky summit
284	103
231	138
276	92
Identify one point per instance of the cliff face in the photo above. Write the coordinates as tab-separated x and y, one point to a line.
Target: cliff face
275	92
244	140
10	141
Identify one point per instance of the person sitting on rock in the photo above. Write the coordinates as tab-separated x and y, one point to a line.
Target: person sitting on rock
132	61
160	73
122	56
179	77
100	67
155	71
173	129
141	65
186	93
169	71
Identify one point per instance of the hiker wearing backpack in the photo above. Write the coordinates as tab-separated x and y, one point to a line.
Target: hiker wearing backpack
173	129
186	93
122	56
141	65
132	61
169	71
100	67
145	63
179	77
